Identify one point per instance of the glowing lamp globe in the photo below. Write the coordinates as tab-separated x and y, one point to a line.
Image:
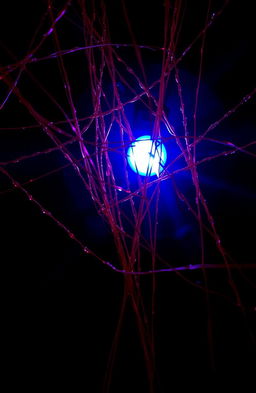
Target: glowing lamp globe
147	157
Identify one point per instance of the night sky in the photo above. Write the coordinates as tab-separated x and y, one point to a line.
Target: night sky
61	306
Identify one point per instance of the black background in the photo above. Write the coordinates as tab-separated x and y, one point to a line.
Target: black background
60	306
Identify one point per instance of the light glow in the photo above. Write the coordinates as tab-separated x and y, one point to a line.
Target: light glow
147	157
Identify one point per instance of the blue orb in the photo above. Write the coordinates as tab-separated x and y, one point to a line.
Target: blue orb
147	157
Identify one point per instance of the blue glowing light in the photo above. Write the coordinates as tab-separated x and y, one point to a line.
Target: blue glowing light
147	157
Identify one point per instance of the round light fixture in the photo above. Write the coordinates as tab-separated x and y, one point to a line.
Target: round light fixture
147	157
